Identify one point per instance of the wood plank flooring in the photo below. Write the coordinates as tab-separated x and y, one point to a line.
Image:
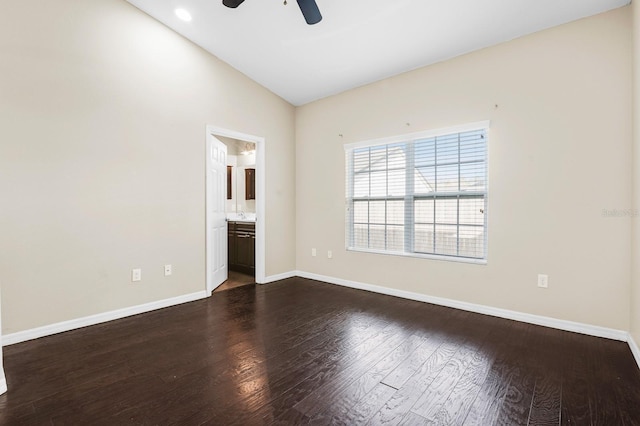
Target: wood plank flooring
305	352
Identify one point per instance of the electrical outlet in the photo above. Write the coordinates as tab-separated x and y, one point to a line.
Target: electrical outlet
167	270
543	281
314	252
329	254
136	274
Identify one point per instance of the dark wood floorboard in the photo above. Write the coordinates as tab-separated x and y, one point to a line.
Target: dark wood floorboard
304	352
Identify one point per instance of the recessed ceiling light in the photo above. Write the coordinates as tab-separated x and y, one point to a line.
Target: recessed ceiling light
183	14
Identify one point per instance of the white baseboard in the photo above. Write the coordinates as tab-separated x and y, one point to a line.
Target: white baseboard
587	329
592	330
47	330
634	349
3	385
278	277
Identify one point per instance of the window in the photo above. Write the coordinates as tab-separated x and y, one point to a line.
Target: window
421	195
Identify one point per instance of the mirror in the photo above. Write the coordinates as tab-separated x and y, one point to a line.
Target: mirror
241	164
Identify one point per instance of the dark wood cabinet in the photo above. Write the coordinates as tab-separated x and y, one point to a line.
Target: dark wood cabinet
229	182
231	245
250	184
242	247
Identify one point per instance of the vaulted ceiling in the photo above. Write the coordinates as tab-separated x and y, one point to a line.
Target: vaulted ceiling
358	41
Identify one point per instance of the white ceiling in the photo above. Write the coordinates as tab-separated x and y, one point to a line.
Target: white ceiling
358	41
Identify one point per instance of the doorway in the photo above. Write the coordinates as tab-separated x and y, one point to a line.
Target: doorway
240	213
249	211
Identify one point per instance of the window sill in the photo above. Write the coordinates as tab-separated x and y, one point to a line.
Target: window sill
423	256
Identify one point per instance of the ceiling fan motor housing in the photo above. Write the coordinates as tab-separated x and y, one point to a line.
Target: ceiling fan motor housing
232	3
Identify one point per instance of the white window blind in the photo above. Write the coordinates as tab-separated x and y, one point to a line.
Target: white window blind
424	195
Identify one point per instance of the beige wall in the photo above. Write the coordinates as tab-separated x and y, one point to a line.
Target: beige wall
559	102
102	139
102	119
635	251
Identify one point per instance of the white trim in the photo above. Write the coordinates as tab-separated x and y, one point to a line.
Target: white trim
443	257
592	330
60	327
634	349
260	197
420	135
3	380
278	277
47	330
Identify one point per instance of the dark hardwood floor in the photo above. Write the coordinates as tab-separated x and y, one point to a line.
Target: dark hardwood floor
304	352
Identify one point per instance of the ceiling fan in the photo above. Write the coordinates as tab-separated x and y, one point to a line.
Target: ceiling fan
309	9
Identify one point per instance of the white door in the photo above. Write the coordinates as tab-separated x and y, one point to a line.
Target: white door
216	216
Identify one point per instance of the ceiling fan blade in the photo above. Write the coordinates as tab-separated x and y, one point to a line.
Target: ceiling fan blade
310	11
232	3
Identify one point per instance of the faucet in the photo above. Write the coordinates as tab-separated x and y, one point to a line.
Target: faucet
241	214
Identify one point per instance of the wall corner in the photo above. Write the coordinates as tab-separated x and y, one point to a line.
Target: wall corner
634	299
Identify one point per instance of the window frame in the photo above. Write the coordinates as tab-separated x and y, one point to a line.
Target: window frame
410	198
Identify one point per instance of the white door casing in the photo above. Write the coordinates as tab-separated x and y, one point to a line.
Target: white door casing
261	168
216	187
3	381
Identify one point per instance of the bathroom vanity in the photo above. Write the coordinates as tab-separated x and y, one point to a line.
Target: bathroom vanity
241	246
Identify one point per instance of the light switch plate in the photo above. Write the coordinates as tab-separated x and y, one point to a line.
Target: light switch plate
543	281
